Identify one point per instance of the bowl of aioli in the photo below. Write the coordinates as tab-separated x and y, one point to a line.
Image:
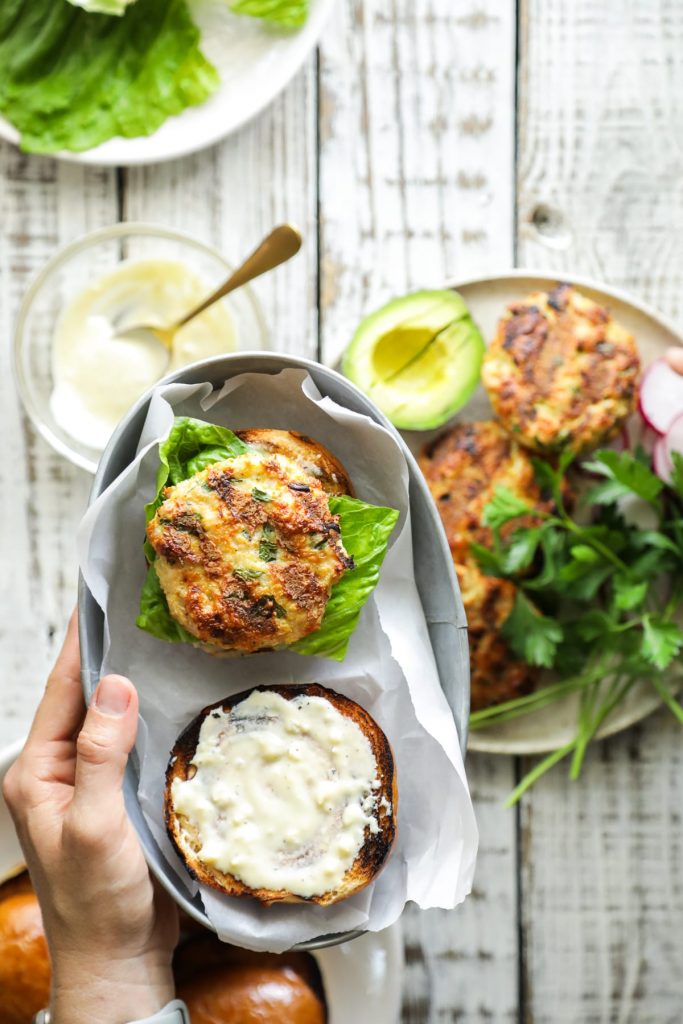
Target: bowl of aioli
76	378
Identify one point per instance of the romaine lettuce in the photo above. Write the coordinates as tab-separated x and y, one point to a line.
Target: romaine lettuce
191	446
71	80
103	6
289	13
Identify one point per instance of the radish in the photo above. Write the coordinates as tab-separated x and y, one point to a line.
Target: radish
661	462
661	396
665	447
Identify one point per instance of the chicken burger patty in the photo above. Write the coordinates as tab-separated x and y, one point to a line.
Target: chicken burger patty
560	371
247	551
463	468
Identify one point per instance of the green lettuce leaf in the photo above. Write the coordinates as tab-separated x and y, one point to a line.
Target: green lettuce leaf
191	446
365	532
155	617
71	80
103	6
289	13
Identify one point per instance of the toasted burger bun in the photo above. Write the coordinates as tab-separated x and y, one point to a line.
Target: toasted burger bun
251	995
24	961
376	847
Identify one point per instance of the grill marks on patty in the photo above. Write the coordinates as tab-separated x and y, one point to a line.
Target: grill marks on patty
463	468
560	371
248	551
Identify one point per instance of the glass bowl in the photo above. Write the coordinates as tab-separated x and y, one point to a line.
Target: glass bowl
77	266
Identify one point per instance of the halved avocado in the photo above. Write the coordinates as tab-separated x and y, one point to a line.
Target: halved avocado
418	358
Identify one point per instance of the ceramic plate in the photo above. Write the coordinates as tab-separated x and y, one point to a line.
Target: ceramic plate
362	979
255	62
554	726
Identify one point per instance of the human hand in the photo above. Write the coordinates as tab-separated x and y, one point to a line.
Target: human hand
110	931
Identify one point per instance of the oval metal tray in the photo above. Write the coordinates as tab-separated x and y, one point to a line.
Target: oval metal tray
434	574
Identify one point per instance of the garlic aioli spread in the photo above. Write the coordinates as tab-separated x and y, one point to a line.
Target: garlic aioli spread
283	793
98	376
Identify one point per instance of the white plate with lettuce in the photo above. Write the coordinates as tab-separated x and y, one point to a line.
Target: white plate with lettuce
149	80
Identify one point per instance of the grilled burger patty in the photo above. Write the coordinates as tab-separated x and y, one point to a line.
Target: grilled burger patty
560	371
247	551
464	467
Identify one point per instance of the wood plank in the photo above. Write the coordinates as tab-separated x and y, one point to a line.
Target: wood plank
230	196
42	205
233	194
416	166
599	193
417	137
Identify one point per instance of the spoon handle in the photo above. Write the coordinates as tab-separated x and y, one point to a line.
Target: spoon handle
280	245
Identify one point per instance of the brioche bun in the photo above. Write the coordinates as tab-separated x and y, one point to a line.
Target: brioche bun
251	995
24	961
377	838
223	984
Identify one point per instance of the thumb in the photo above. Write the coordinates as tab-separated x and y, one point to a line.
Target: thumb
104	743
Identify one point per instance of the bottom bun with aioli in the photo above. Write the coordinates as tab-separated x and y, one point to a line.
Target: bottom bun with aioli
286	794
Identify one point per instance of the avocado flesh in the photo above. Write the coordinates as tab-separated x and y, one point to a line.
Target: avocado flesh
418	358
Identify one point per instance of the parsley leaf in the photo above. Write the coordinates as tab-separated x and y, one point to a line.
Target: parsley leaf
661	641
552	546
584	553
627	594
626	474
503	507
259	495
267	548
531	635
247	574
593	625
676	480
521	549
487	560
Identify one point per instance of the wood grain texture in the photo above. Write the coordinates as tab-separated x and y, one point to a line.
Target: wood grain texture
416	151
416	168
600	192
42	205
233	194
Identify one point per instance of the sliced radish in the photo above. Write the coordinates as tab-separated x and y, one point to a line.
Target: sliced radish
661	396
662	457
661	461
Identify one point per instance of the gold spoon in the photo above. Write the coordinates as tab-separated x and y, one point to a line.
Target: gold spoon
280	245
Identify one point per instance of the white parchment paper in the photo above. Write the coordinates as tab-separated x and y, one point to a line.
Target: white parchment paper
389	668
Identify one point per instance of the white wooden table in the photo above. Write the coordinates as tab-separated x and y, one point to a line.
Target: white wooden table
426	139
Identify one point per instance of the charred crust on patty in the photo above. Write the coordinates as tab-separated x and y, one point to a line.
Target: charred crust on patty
376	846
560	372
313	457
463	468
225	540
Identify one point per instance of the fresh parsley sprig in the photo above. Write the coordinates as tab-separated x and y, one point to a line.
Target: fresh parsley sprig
598	591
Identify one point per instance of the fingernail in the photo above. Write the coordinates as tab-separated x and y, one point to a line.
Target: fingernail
112	696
